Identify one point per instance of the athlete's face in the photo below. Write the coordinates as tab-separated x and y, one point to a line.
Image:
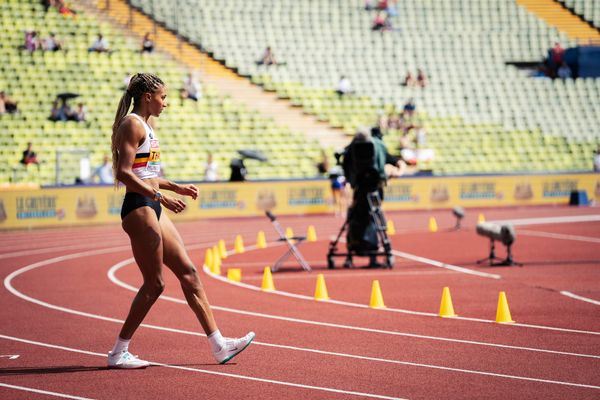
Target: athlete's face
157	101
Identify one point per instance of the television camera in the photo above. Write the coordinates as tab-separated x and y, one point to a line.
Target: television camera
363	162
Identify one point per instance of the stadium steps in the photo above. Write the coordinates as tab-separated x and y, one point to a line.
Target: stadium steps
562	19
226	81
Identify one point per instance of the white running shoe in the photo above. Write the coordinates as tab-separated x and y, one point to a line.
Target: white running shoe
125	360
233	347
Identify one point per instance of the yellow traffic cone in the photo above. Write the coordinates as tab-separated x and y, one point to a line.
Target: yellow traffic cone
376	296
208	259
216	267
289	233
446	308
222	249
432	225
503	313
321	288
480	219
239	245
267	282
261	241
311	234
234	274
391	229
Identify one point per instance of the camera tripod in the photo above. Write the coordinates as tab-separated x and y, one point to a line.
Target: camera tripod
376	217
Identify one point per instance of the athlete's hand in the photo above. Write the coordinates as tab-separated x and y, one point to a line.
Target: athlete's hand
172	203
187	190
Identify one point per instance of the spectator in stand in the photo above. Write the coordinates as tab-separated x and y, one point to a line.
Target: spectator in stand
393	121
211	169
62	112
344	87
392	9
421	78
104	173
564	72
80	114
382	5
409	80
409	108
100	45
268	58
557	55
51	43
29	156
7	105
191	88
378	22
147	44
597	160
32	42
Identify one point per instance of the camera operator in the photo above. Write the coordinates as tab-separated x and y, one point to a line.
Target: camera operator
365	171
364	161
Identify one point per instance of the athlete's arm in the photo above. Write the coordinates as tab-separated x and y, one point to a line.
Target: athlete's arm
182	189
131	134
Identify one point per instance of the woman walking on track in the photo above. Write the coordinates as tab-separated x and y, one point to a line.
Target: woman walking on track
154	239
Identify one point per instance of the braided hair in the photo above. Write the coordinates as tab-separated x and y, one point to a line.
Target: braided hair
138	85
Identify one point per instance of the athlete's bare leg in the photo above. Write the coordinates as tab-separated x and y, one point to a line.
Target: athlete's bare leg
176	258
145	235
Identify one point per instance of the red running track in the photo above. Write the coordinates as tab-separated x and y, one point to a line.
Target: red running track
66	291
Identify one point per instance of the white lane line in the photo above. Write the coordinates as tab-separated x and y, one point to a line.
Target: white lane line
577	297
439	264
46	392
11	276
407	363
114	279
209	372
444	265
10	356
559	236
388	309
345	275
55	249
9	286
549	220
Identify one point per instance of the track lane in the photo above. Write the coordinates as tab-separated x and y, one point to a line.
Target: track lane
186	310
410	381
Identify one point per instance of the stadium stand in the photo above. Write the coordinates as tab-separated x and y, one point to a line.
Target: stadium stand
589	10
188	130
480	114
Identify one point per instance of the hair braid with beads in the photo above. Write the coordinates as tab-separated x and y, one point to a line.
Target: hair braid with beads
138	85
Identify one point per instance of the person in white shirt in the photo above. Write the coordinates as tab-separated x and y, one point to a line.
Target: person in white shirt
100	45
192	88
211	167
104	173
344	86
